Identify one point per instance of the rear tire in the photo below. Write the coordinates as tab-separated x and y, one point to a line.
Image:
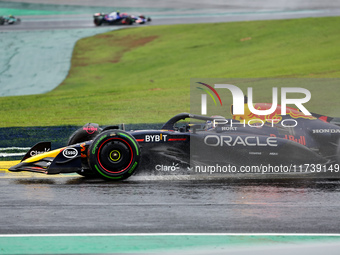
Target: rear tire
114	155
128	21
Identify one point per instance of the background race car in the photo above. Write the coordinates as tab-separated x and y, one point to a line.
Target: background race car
117	18
9	20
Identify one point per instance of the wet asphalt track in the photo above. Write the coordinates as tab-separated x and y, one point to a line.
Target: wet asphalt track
72	204
85	21
165	12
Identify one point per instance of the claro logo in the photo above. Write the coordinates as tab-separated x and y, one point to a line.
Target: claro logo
34	153
70	153
227	140
238	99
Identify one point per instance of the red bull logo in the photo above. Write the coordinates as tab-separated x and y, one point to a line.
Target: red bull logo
294	113
300	140
274	117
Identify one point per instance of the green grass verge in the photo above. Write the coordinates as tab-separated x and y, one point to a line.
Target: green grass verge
142	75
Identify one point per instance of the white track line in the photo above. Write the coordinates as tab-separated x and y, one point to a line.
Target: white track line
170	234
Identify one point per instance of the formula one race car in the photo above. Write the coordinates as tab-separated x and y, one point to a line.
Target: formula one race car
294	140
9	20
117	18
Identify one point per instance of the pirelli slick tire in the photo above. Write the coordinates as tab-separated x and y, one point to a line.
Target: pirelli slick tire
114	155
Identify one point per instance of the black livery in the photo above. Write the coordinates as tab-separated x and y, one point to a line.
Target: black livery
115	154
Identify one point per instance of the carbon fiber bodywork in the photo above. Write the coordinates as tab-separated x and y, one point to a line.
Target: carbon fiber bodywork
183	147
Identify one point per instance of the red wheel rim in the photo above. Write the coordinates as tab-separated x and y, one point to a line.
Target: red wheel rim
125	167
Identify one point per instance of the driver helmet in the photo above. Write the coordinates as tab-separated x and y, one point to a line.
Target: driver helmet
209	125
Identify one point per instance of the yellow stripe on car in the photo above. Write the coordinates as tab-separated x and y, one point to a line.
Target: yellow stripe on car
4	165
50	154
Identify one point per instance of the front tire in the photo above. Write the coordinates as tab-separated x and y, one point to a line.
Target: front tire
98	21
114	155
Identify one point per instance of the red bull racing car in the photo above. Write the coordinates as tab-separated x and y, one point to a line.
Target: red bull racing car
205	145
